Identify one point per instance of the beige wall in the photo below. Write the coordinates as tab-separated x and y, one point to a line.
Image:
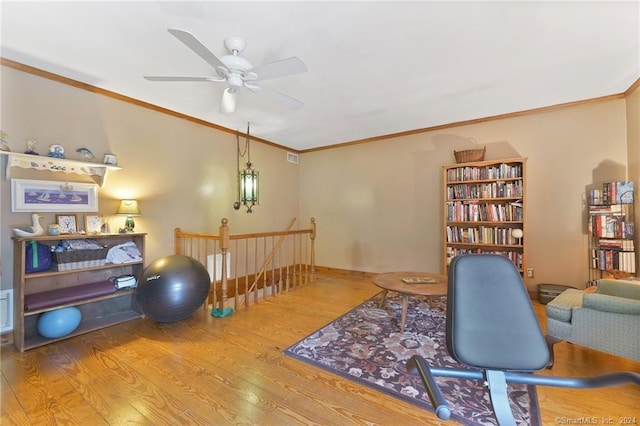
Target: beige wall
633	131
379	205
184	174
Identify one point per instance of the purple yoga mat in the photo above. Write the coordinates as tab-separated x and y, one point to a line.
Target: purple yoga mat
66	295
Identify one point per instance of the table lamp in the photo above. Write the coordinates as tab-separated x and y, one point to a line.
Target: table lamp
129	208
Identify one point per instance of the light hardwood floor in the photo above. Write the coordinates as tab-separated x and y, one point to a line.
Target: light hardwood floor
222	371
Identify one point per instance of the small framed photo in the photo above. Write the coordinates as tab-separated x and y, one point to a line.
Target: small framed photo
93	223
68	223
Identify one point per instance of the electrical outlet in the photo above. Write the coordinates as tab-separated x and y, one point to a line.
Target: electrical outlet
529	272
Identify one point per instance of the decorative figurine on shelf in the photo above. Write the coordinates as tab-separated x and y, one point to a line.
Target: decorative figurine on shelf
31	147
54	229
105	228
56	151
110	159
87	155
30	231
4	146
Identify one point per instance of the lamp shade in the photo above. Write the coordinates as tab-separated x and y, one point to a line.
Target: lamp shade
129	208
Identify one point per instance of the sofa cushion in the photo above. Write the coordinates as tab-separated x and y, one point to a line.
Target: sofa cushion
604	302
560	308
621	288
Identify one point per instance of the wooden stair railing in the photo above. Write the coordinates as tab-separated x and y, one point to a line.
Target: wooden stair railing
245	268
267	261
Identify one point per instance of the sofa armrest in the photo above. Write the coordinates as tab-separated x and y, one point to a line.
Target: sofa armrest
607	303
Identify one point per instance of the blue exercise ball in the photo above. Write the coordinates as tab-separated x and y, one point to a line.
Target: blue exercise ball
172	288
59	322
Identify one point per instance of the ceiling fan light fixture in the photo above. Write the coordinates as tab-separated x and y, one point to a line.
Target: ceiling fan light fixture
236	63
235	82
235	44
228	102
238	72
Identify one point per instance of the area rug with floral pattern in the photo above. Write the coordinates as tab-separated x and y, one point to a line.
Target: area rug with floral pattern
366	345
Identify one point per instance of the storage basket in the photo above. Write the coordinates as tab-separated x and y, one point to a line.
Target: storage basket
469	155
548	292
76	259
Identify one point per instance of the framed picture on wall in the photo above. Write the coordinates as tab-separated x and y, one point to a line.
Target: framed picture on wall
53	196
68	223
93	223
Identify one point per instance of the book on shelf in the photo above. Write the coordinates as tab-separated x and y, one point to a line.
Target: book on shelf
472	211
595	197
501	171
494	235
595	260
500	189
624	192
620	244
614	260
607	226
517	257
613	209
618	192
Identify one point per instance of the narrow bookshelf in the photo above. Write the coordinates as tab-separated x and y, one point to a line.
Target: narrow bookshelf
38	292
484	210
610	218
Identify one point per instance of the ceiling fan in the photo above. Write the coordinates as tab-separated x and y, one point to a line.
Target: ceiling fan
238	72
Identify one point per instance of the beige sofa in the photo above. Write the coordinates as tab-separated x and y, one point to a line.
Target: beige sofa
607	319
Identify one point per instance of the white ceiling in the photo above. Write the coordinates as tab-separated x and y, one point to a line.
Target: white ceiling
375	68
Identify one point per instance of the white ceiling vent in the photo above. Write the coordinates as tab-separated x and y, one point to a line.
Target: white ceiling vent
292	158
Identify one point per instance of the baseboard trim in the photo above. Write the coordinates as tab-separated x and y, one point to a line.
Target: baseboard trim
338	271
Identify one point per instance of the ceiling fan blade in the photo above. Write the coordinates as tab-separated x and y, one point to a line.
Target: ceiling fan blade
169	78
228	102
279	68
194	44
278	97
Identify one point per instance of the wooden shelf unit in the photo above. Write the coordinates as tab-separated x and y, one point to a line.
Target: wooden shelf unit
611	231
484	202
97	171
97	312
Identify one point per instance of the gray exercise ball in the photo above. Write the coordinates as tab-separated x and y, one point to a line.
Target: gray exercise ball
172	288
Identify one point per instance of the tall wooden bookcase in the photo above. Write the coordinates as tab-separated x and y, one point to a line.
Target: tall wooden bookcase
611	229
484	210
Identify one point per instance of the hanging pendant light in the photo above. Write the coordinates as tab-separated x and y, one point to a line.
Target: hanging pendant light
249	187
248	178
